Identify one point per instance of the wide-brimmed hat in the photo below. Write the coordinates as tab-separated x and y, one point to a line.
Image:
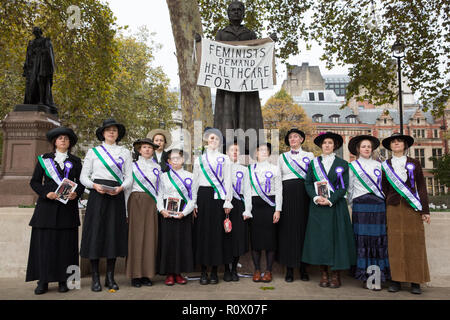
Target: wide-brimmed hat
139	142
162	132
109	123
338	141
408	140
355	140
56	132
259	144
292	130
210	130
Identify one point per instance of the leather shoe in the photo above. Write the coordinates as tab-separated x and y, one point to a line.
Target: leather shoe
96	286
136	282
415	288
289	275
234	276
41	288
146	282
257	276
213	279
109	281
335	280
227	277
179	279
395	286
324	281
267	277
169	280
62	287
204	278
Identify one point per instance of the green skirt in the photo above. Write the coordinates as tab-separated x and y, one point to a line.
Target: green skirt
329	238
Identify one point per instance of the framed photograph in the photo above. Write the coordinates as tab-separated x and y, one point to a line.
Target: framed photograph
64	189
322	189
173	206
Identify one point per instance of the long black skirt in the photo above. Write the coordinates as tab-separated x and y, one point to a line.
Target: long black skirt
51	252
175	253
263	232
236	241
293	222
105	228
209	230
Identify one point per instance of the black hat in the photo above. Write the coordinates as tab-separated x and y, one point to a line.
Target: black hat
355	140
269	146
408	140
209	130
338	141
138	142
56	132
108	123
286	137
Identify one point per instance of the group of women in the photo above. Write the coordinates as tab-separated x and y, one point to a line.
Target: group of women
166	220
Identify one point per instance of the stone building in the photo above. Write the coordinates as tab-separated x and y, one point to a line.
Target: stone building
322	98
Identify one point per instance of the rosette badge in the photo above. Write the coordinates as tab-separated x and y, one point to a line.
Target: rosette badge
339	171
268	176
377	173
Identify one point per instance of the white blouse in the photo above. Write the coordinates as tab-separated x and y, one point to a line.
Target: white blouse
93	168
201	181
246	190
147	166
276	185
399	166
60	157
286	173
355	187
167	189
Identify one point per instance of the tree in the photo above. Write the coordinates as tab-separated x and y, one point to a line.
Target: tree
195	100
280	112
442	169
360	33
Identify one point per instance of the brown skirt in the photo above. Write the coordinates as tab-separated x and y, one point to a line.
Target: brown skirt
142	236
406	244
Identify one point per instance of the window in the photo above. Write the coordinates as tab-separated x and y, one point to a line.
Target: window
317	118
435	133
321	97
351	119
334	118
385	121
311	96
419	154
418	121
430	186
419	133
437	153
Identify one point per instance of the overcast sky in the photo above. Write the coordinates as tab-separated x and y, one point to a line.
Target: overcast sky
154	14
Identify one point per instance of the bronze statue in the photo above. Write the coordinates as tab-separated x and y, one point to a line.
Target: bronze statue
38	69
237	110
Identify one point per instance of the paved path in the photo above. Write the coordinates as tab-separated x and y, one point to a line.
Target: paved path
245	289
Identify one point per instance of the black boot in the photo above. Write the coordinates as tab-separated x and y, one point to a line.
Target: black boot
395	286
227	277
234	274
42	287
204	277
214	279
95	286
62	286
136	282
109	280
289	275
303	273
415	288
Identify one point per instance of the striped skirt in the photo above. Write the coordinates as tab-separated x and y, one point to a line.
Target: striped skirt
369	227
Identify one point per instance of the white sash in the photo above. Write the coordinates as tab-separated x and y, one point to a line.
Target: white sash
109	163
217	185
401	187
143	182
50	169
319	173
294	166
257	187
365	179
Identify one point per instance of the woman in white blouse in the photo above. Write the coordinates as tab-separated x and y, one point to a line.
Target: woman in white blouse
267	201
236	241
293	165
107	172
368	209
142	215
175	246
212	195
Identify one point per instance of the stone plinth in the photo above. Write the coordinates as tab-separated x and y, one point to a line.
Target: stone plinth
23	140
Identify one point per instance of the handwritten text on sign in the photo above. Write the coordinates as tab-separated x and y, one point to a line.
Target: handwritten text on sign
236	68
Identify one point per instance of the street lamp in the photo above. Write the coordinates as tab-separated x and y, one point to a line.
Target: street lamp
398	51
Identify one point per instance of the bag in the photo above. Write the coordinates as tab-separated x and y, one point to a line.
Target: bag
227	225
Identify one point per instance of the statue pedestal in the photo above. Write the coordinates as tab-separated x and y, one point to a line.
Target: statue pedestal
23	140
